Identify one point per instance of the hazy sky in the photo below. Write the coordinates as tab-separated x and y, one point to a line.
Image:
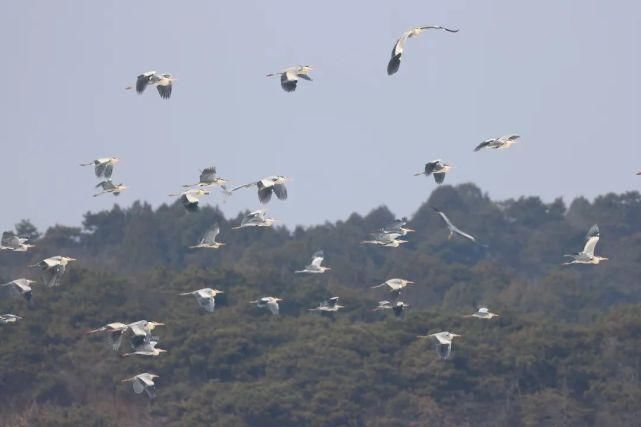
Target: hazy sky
564	74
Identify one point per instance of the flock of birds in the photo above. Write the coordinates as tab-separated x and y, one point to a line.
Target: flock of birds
139	334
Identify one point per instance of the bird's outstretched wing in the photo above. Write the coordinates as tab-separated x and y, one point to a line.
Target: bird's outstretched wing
438	27
592	240
208	174
439	178
483	144
281	191
165	90
143	80
288	81
265	194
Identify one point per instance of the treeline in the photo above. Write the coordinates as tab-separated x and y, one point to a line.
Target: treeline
565	351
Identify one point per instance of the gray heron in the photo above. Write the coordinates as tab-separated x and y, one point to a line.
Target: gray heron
586	256
397	308
206	298
330	305
163	83
143	383
398	226
483	313
103	168
270	303
289	76
190	198
395	285
454	229
438	168
395	62
266	186
443	343
19	288
209	178
146	348
256	219
53	269
498	143
389	240
11	242
208	241
315	267
108	187
9	318
115	331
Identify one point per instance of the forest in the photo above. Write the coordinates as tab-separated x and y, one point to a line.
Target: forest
565	351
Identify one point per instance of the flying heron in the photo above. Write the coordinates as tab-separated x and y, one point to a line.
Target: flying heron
209	178
454	229
19	288
206	298
53	269
163	83
147	348
389	240
397	227
208	240
109	187
270	302
115	333
438	168
268	185
331	305
143	382
397	308
483	313
103	168
256	219
11	242
498	143
443	343
9	318
190	198
586	256
399	46
315	266
395	285
289	76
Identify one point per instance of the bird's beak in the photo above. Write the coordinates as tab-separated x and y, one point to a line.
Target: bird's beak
162	351
71	259
410	230
157	324
409	282
456	335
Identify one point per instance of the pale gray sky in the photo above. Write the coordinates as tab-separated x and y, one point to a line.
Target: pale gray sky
563	74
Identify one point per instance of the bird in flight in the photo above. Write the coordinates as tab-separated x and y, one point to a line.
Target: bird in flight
483	313
586	256
399	46
398	308
436	167
143	383
209	178
109	187
256	219
103	168
498	143
289	76
205	298
11	242
331	305
270	303
268	185
53	269
315	267
190	198
163	83
443	343
454	229
20	288
208	240
9	318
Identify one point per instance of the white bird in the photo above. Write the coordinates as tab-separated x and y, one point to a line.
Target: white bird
268	185
586	256
386	239
109	187
436	167
270	302
397	227
395	285
454	229
399	46
209	178
256	219
141	332
483	313
498	143
9	318
143	382
115	333
289	76
331	305
103	168
11	242
190	198
147	348
443	341
208	240
53	269
205	297
163	82
398	308
315	266
20	288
